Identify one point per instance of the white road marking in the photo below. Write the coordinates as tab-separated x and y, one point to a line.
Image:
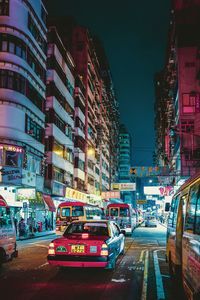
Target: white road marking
42	246
118	280
159	283
43	265
145	277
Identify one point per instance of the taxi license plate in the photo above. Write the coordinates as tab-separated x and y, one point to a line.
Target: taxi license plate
77	248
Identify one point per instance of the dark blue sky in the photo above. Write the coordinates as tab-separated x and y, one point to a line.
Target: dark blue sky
134	34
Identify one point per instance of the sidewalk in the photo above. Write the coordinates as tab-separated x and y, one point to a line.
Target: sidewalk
163	224
36	235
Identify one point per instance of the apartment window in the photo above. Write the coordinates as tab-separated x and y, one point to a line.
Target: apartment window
34	130
68	155
15	81
36	33
14	45
59	123
70	87
68	132
78	163
4	7
58	174
54	65
52	90
58	149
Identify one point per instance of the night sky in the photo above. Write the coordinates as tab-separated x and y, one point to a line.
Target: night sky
134	34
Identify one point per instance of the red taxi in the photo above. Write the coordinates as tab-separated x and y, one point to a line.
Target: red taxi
88	244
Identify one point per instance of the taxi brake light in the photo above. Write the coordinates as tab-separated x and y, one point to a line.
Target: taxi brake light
85	235
104	250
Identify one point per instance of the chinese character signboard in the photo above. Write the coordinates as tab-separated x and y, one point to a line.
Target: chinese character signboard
110	195
149	171
126	186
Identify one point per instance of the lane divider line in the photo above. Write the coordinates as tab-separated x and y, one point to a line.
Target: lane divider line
145	277
159	282
141	256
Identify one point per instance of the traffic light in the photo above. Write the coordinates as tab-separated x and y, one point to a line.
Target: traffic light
133	171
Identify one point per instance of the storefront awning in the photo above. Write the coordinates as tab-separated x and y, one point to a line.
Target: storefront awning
48	200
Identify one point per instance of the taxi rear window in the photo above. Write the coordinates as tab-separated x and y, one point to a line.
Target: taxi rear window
96	229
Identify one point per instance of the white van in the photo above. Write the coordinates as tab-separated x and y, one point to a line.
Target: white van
8	246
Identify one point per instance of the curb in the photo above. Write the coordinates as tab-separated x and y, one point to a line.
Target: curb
164	225
35	236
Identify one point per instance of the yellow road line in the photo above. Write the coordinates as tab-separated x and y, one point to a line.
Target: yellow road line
141	256
145	277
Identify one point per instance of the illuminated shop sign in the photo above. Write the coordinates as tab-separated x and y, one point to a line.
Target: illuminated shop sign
11	148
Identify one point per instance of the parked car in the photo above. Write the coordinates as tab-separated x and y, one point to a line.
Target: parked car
88	244
150	221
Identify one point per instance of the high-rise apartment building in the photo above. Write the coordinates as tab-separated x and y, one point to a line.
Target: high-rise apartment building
23	45
59	116
178	94
101	113
125	155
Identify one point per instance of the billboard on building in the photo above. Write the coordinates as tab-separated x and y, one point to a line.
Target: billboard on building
110	195
126	186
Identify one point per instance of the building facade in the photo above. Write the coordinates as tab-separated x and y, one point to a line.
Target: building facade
177	94
101	113
125	155
22	107
59	116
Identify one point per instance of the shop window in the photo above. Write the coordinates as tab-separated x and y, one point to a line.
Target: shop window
4	7
13	159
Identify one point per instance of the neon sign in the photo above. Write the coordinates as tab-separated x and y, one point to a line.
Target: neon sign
11	148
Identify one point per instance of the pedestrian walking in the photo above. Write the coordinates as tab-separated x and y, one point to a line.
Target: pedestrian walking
22	228
15	223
